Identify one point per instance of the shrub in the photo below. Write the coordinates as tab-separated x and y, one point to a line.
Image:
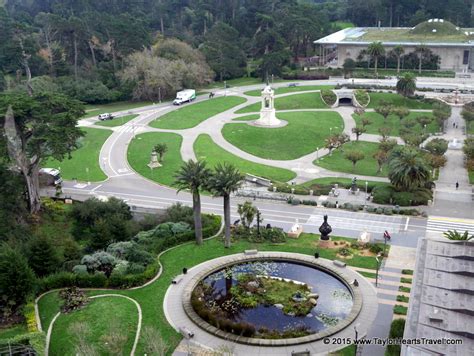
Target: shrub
388	211
328	97
379	211
274	235
73	299
374	248
310	202
362	97
396	332
331	205
80	269
402	198
382	194
295	201
371	208
343	251
30	317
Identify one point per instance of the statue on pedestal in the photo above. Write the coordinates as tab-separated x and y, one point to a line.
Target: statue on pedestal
267	112
154	161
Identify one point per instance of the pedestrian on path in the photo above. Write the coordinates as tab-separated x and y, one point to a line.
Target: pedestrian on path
454	125
457	185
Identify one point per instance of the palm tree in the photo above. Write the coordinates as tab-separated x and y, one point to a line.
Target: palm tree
398	51
457	236
407	169
376	50
406	85
225	180
421	50
194	176
161	149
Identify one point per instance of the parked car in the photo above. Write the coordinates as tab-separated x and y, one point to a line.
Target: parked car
49	176
105	116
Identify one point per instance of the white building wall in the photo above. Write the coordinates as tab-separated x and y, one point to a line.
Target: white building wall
451	57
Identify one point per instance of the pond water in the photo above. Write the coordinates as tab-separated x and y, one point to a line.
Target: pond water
334	302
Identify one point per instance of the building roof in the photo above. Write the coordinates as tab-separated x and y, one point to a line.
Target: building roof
435	32
442	297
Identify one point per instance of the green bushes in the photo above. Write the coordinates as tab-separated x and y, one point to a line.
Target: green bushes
396	332
362	97
328	97
388	195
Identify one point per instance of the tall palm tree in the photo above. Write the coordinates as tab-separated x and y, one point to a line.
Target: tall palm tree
225	180
407	170
194	176
421	50
406	85
376	50
398	51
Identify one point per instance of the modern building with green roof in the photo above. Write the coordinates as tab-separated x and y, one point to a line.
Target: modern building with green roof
454	45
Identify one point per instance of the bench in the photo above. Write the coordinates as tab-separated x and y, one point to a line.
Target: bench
177	279
339	263
187	334
250	252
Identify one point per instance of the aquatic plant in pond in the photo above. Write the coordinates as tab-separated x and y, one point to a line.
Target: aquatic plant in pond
272	299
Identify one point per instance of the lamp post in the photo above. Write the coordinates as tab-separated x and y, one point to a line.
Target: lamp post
366	184
225	88
317	153
159	94
258	223
272	79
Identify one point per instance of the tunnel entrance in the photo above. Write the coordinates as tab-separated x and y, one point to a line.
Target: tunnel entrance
345	102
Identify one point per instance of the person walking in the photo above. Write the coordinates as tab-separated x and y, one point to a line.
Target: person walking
457	185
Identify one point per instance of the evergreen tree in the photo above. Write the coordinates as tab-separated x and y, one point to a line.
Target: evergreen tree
43	258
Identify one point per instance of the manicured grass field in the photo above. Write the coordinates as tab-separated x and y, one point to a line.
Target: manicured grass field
338	163
9	333
471	177
340	181
84	164
291	102
304	133
151	297
139	152
397	100
96	110
117	121
285	90
191	115
206	149
99	317
394	123
247	118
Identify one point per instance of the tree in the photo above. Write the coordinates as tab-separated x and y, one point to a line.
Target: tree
406	85
398	51
384	110
401	112
424	120
387	144
358	130
381	157
376	50
194	176
407	170
457	236
223	52
16	279
437	161
247	213
38	127
42	256
437	146
365	122
354	157
335	141
421	50
225	180
349	66
384	131
161	149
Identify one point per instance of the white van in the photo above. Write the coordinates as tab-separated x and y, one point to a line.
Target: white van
50	176
184	96
105	116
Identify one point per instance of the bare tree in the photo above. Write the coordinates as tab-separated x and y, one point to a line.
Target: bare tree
154	343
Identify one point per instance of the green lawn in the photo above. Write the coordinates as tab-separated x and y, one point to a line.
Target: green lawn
290	102
100	317
285	90
84	164
471	177
117	121
394	123
206	149
397	100
367	166
13	331
362	72
304	133
151	297
470	128
341	182
96	110
247	118
192	115
139	152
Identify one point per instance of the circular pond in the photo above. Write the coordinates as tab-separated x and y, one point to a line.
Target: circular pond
273	299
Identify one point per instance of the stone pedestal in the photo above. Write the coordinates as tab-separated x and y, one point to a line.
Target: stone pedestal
154	161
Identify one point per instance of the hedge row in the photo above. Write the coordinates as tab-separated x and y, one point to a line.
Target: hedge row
388	195
99	280
374	209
